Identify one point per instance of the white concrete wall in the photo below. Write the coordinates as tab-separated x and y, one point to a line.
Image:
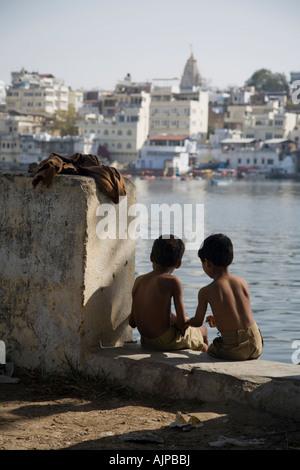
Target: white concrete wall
63	289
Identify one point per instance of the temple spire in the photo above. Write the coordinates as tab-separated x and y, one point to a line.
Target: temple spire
191	77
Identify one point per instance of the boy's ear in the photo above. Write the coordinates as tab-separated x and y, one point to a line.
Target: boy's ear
151	257
178	265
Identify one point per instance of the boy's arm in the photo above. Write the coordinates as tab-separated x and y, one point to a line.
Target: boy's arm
198	319
181	318
132	322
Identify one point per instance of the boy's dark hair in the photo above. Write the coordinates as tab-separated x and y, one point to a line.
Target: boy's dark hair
167	250
218	249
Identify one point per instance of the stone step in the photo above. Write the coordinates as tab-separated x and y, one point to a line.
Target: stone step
190	375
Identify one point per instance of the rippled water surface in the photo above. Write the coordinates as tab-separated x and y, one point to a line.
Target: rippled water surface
262	218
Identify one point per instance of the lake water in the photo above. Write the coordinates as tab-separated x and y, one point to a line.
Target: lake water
262	218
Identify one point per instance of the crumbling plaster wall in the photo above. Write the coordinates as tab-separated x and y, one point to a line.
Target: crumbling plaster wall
64	290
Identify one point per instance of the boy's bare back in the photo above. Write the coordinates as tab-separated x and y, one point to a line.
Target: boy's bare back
229	299
151	302
227	295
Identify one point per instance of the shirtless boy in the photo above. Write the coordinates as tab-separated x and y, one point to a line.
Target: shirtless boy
229	299
151	302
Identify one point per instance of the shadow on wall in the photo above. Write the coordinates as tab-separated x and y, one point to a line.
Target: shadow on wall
105	313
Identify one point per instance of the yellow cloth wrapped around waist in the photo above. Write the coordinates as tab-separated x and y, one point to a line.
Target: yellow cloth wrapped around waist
174	339
238	345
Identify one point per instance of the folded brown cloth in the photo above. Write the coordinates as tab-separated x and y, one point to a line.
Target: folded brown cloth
108	178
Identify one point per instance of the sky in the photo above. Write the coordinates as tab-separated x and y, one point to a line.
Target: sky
93	44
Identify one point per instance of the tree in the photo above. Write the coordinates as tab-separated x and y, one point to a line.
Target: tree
65	122
265	80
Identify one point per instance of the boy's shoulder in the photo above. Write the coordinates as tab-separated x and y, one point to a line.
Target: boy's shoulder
168	279
238	280
205	290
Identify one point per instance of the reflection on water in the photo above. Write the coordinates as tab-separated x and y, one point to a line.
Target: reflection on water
262	220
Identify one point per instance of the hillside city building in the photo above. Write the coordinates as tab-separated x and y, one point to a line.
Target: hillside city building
139	124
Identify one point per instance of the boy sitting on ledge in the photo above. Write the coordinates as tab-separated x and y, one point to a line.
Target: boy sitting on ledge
229	299
152	293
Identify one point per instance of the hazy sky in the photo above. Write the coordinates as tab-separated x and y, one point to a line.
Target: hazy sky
95	43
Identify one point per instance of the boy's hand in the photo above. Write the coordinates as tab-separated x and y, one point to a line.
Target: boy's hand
173	318
211	320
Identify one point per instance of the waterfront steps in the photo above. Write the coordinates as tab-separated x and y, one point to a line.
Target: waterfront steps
190	375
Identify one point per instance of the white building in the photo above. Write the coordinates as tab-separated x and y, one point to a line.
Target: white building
33	93
76	99
10	129
222	134
166	154
172	112
124	134
295	133
236	116
270	155
2	93
269	121
36	147
241	95
181	109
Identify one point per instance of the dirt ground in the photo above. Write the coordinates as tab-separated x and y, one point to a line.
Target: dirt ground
78	413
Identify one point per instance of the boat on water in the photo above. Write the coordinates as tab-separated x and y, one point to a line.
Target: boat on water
220	182
223	177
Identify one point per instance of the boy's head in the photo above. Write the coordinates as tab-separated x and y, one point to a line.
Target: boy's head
167	250
218	249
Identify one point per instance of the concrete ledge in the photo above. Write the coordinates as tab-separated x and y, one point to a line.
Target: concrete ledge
64	285
189	375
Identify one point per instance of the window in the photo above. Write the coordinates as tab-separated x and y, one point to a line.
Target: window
106	132
120	132
129	132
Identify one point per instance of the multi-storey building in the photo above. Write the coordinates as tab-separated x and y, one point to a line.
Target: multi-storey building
36	147
10	129
124	125
269	121
171	113
166	155
76	99
36	94
236	115
183	109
